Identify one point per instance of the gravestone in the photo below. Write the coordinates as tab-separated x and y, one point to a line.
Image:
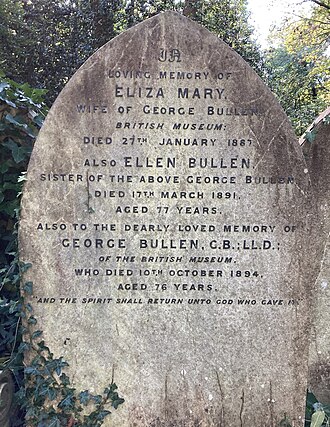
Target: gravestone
166	202
7	390
316	147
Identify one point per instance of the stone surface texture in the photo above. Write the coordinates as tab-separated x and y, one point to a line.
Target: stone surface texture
173	269
316	147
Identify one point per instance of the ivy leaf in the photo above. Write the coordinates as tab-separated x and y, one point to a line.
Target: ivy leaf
113	387
32	320
326	120
67	402
17	151
13	307
24	346
4	167
21	393
54	422
97	399
31	412
317	419
84	397
117	402
25	266
60	364
28	288
326	409
18	122
43	347
110	391
26	89
7	101
102	414
52	393
36	334
31	370
65	380
28	307
38	120
11	186
310	135
4	85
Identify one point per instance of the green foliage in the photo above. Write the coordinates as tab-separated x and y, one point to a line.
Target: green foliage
21	116
229	20
317	414
46	396
298	67
46	41
11	23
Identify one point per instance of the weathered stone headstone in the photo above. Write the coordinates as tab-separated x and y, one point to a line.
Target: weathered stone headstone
166	202
316	147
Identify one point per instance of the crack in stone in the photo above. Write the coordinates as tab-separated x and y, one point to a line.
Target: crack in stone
166	398
242	408
270	143
88	194
271	404
222	421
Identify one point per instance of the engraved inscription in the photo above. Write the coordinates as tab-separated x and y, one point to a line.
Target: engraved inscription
163	213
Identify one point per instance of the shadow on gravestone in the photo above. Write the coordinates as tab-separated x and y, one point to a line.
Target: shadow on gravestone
166	202
7	389
316	147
